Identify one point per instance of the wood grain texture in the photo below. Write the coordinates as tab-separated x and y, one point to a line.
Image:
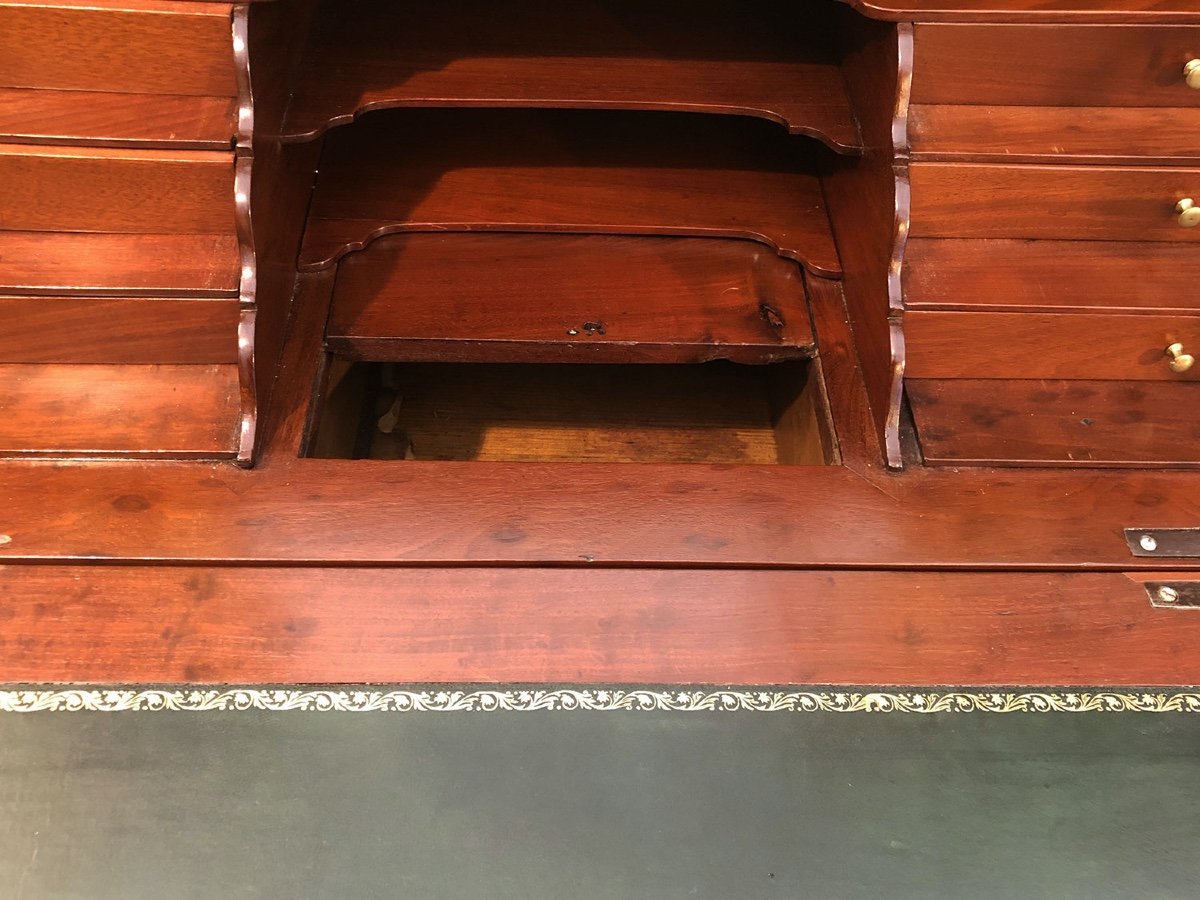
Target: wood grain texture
1011	65
145	330
1023	134
568	171
764	59
1112	12
969	200
109	410
213	625
122	264
527	298
1050	276
1071	423
155	46
110	190
979	345
111	119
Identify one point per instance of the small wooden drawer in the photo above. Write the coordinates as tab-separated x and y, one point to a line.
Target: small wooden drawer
126	46
1056	422
981	345
1050	65
980	200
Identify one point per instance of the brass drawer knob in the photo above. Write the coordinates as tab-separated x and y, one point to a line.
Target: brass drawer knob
1179	361
1191	73
1189	212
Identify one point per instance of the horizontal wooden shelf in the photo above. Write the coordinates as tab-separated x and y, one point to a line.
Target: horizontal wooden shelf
764	58
101	118
567	298
568	171
47	262
172	412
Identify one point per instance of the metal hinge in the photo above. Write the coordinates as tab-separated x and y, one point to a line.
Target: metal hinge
1174	594
1164	543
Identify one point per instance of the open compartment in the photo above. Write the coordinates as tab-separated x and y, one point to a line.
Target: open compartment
766	58
717	412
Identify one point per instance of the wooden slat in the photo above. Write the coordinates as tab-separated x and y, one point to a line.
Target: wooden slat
508	298
128	264
1074	423
152	120
145	330
1114	12
109	190
105	410
1005	65
166	625
1144	135
762	59
568	171
151	46
1050	276
979	345
969	200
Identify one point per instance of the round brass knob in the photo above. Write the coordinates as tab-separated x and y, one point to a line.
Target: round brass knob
1189	212
1180	361
1191	73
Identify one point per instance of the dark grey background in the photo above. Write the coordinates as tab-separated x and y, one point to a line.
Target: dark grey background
598	805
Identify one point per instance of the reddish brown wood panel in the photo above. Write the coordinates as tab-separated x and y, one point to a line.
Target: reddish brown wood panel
1037	345
143	330
567	298
105	410
131	47
41	262
1050	276
110	190
969	200
1071	423
1115	12
764	58
151	120
1017	65
210	625
1146	135
622	173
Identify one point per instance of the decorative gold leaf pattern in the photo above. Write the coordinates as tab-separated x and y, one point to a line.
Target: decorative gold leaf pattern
625	699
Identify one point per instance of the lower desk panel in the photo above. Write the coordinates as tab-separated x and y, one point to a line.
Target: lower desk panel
70	623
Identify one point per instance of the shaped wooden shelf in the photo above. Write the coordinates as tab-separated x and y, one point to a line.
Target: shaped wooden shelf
568	171
568	298
763	58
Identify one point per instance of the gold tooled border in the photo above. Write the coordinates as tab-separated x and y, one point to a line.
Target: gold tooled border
365	699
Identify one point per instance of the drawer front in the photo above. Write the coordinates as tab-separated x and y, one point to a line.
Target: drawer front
980	345
116	191
137	46
979	200
1053	65
1069	423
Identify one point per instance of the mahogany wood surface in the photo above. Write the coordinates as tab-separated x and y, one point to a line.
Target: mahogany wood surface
1050	276
278	625
1027	345
100	119
41	262
1069	423
1140	136
115	190
454	514
764	58
173	411
567	298
128	46
568	171
1115	12
979	200
1012	65
143	330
